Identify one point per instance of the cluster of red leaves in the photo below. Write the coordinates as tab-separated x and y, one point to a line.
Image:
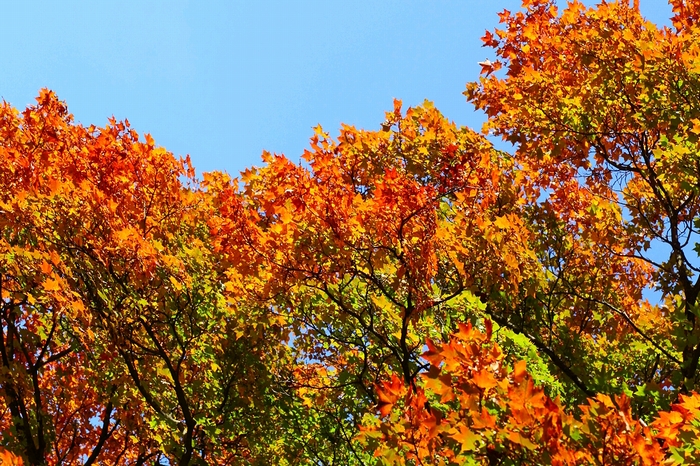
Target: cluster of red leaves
470	408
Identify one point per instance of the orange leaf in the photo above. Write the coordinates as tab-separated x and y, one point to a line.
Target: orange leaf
484	379
519	371
51	285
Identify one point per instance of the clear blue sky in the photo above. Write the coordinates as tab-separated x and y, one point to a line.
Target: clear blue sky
223	80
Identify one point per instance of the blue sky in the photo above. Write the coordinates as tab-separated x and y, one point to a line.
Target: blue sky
223	80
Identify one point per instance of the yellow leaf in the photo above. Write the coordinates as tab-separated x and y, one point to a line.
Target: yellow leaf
285	216
502	222
52	285
696	126
176	284
124	234
276	228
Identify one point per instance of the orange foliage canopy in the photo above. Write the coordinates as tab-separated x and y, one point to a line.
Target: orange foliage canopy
408	295
117	344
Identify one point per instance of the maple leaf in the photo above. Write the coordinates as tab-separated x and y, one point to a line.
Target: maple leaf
484	379
467	439
388	395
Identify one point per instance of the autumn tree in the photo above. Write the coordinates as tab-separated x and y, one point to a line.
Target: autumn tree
121	335
599	104
600	108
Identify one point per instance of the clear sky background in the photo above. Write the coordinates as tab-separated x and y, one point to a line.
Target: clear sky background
223	80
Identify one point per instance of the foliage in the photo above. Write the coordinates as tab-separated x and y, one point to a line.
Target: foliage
117	339
409	295
473	409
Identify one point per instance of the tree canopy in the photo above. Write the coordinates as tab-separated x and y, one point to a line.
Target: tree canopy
405	295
